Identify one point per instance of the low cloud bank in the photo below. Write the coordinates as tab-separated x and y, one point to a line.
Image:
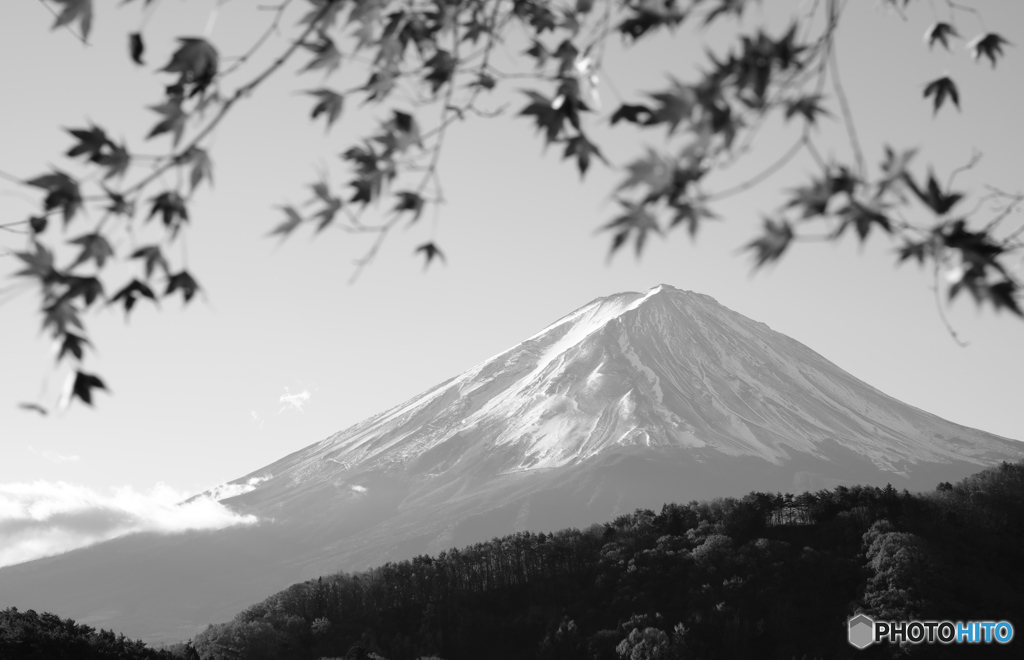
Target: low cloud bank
41	518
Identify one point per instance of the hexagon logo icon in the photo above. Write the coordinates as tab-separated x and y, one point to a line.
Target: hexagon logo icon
861	631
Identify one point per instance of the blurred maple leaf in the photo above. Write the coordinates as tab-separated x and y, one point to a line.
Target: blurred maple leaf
940	32
84	384
431	252
61	193
772	243
941	88
989	45
330	105
197	62
75	10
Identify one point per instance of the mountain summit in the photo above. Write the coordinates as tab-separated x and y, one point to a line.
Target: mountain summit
630	401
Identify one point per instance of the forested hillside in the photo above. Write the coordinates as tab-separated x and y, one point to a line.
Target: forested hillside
766	576
29	635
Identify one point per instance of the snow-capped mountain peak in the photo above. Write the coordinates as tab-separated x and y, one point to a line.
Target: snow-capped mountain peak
667	369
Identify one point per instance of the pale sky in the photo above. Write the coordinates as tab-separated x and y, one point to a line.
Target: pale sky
282	352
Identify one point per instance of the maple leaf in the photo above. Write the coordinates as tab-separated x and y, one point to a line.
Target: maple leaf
293	220
941	88
940	32
548	118
183	281
808	106
813	198
84	384
173	121
330	105
583	149
202	166
197	62
537	14
431	252
648	15
862	218
726	7
73	344
61	193
88	288
153	257
484	81
332	205
38	264
675	105
442	66
37	224
933	197
971	278
91	143
136	47
539	52
75	10
116	160
918	251
60	315
654	171
976	248
373	171
380	84
131	293
94	248
326	55
171	207
692	213
1003	294
633	113
325	12
990	45
400	132
635	219
770	246
409	201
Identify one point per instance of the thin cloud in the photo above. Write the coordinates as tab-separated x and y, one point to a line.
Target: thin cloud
296	401
255	416
55	457
40	518
224	491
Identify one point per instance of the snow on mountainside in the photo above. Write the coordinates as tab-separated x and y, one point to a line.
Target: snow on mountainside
631	401
666	369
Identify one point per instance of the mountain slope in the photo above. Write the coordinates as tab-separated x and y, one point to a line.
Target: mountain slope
630	401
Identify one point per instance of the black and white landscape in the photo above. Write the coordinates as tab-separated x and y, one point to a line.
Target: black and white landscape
631	401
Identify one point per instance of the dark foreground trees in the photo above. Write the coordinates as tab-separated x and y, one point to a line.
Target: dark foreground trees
423	67
29	635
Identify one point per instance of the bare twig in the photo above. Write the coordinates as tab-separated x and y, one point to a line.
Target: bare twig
279	11
844	103
942	312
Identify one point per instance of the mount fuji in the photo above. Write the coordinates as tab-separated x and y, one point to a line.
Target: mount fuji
630	401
